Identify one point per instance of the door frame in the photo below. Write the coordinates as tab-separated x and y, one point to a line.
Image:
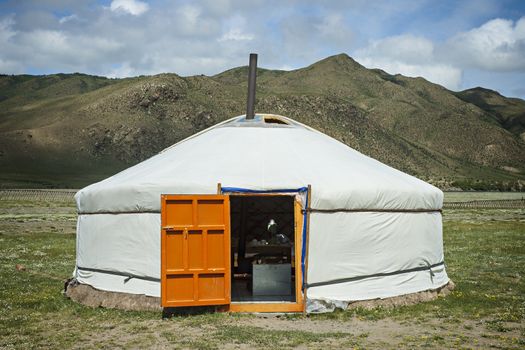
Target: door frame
284	306
300	216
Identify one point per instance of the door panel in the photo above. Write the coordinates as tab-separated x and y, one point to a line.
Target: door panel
215	258
174	242
195	250
211	286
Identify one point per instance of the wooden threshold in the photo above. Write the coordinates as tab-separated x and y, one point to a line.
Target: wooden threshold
266	307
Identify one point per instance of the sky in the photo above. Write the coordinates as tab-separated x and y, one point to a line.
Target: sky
458	44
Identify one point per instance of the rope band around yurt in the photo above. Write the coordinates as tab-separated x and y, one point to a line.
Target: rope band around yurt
344	210
123	274
381	274
317	284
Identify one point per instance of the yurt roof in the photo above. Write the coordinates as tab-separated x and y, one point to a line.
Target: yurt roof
268	152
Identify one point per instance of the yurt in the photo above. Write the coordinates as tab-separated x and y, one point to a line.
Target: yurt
259	213
191	224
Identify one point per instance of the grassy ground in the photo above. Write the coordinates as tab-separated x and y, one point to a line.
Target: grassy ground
485	255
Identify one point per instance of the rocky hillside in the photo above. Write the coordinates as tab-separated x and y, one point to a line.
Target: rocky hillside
73	129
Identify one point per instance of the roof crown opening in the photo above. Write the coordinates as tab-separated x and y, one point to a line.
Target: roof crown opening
262	121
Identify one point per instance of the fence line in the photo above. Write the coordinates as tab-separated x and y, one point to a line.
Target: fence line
51	195
486	204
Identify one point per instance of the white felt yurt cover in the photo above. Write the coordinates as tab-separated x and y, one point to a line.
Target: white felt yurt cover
375	232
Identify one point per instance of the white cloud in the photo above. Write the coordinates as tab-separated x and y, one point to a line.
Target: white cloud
306	39
333	29
497	45
286	67
405	48
236	34
68	51
122	71
442	74
66	19
132	7
46	41
190	13
6	29
8	65
412	56
60	45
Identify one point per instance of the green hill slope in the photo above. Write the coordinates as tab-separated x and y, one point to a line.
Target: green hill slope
70	130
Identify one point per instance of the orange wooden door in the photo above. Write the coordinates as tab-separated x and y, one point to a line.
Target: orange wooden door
195	250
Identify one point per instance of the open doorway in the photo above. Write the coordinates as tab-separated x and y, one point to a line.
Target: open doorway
263	247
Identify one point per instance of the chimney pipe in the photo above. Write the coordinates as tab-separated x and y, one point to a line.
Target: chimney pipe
252	75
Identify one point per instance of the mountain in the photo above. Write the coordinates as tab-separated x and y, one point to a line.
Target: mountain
509	113
68	130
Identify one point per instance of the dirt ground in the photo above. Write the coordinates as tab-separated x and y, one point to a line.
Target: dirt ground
247	332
